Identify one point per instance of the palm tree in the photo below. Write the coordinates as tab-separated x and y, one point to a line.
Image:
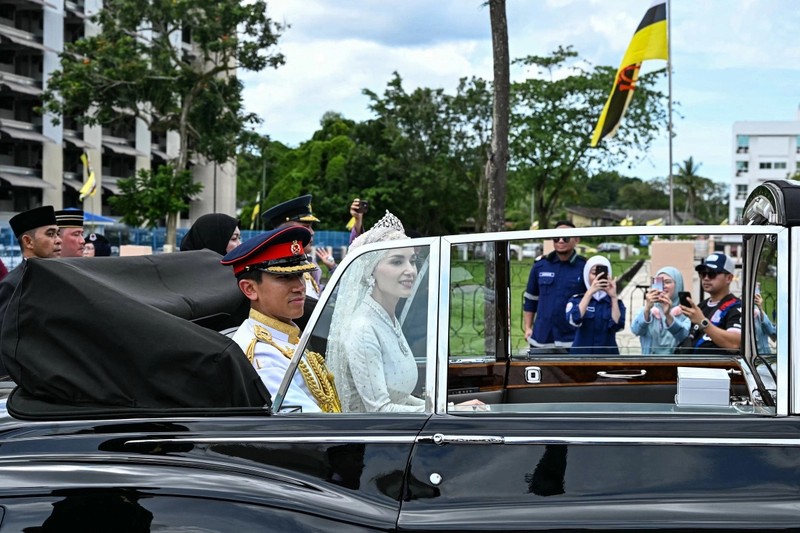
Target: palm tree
692	184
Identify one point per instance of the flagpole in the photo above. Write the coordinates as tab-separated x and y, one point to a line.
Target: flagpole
669	107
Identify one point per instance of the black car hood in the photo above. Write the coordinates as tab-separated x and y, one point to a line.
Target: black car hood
125	333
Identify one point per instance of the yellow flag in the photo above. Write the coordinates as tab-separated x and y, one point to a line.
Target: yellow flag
89	187
256	211
656	222
649	42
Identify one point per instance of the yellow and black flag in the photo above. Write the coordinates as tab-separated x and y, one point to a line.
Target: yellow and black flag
649	42
89	187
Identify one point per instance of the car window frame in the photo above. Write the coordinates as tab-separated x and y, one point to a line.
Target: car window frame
434	262
783	237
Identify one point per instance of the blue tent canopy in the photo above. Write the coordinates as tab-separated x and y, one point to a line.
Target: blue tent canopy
92	218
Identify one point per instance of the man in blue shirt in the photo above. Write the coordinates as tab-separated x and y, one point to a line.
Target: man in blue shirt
554	278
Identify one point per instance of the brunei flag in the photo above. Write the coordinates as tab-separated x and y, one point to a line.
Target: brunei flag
89	187
649	42
256	211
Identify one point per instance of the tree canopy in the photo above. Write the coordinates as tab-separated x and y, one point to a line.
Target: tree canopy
172	64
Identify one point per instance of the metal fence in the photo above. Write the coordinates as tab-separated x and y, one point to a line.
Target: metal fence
119	235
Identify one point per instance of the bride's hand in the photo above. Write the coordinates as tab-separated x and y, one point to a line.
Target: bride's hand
470	405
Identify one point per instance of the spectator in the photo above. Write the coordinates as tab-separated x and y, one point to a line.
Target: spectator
717	321
70	229
597	314
358	208
763	326
96	246
552	280
269	270
660	324
214	231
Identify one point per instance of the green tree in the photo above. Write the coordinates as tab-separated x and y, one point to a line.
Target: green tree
147	196
691	185
136	63
553	115
419	171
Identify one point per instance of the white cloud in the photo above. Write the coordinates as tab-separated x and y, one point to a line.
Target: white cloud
733	59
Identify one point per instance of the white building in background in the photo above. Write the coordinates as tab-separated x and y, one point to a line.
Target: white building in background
761	151
40	161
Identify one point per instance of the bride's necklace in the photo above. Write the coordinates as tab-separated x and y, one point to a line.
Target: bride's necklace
392	322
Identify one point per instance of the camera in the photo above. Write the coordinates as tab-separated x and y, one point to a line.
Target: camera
363	206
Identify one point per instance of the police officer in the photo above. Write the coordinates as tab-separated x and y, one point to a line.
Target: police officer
297	212
269	270
554	278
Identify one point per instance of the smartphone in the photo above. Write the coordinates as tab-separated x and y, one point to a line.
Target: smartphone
657	283
685	298
363	205
601	271
758	287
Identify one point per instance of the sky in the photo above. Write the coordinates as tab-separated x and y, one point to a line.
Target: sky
733	60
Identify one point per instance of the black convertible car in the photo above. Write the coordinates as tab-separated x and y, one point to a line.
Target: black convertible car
130	411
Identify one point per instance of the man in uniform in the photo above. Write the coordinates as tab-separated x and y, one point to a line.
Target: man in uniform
36	231
297	212
717	321
269	269
554	278
70	229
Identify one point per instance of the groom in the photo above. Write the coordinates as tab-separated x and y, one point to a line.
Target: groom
269	270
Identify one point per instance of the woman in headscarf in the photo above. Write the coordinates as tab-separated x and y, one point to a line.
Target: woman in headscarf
598	314
660	325
214	231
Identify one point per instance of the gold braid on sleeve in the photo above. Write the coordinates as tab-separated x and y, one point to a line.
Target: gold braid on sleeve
318	378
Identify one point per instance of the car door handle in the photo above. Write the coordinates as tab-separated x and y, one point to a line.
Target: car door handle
441	439
625	374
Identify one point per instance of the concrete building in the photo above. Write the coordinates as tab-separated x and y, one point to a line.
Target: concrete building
761	151
40	161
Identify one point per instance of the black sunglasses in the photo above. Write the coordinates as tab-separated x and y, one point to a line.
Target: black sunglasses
708	274
562	239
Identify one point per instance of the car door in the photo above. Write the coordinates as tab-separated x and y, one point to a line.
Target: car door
573	459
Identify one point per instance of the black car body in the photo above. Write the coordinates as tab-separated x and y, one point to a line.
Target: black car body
122	431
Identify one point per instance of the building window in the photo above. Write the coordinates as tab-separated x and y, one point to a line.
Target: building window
741	167
742	144
765	165
780	165
741	192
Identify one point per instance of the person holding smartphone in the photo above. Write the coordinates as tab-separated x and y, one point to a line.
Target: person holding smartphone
597	314
660	324
717	321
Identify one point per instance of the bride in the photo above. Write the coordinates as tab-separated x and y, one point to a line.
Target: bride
368	354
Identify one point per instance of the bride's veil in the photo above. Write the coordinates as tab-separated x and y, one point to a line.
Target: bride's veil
353	289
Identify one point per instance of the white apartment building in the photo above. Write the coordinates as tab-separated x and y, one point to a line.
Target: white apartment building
40	161
761	151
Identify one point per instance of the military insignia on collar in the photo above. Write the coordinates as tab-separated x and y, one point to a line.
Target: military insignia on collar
297	249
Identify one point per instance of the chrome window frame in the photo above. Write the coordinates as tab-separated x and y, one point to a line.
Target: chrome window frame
783	242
